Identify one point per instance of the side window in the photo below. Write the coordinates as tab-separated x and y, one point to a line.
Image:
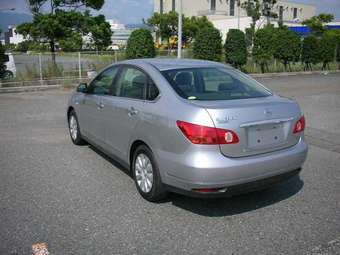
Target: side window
152	92
131	83
102	84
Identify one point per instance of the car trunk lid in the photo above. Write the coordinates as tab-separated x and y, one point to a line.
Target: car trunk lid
262	124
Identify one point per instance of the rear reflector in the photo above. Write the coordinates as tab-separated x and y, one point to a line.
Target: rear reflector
198	134
300	125
210	190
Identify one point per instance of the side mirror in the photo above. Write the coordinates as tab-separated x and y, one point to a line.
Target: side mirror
82	88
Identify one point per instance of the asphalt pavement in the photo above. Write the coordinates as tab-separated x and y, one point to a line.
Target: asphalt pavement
79	201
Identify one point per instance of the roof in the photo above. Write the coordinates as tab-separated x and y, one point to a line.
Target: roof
163	64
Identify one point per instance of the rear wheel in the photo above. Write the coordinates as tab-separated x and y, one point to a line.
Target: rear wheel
146	175
7	75
74	129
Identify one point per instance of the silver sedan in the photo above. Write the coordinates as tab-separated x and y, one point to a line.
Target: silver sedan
195	127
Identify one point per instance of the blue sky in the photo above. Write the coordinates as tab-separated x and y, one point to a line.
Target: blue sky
132	11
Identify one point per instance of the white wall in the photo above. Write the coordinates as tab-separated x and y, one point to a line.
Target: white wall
202	8
16	38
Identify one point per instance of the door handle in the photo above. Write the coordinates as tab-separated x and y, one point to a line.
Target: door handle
100	106
132	111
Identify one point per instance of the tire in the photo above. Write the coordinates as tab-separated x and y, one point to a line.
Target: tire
74	130
7	75
156	191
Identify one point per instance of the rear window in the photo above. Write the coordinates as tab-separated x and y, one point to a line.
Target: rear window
214	84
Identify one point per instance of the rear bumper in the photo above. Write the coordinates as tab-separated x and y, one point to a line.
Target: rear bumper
240	188
210	169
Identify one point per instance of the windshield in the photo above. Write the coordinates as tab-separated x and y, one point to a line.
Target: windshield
214	84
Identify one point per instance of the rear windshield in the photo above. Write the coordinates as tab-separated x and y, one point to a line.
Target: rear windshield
214	84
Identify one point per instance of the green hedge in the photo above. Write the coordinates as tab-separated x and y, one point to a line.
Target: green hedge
208	44
140	45
236	48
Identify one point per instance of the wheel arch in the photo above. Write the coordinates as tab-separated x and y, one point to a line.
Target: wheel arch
133	148
70	108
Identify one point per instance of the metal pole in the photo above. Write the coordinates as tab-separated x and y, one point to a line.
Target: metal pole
79	64
179	50
40	68
238	14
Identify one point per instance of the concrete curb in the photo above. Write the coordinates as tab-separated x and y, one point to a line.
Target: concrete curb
270	75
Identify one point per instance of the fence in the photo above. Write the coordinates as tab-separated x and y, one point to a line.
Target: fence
38	68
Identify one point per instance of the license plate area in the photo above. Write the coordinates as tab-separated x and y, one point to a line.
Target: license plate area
263	136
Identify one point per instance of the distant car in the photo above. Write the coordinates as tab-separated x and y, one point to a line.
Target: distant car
195	127
11	70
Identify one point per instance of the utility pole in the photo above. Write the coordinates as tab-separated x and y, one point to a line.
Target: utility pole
179	39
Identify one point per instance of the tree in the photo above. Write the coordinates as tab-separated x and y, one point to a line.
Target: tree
328	46
264	46
165	25
317	23
249	37
72	43
236	48
56	23
287	47
192	25
140	45
267	8
310	54
256	8
253	9
100	32
208	44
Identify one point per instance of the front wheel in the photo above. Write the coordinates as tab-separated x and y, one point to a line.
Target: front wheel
74	129
146	175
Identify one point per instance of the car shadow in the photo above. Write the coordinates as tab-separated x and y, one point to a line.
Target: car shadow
221	207
114	162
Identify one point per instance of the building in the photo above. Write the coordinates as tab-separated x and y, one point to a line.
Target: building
121	33
12	37
227	14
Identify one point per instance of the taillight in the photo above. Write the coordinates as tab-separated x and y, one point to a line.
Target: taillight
198	134
300	125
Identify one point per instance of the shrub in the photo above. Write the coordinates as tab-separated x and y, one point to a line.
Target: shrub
264	46
208	44
3	60
288	47
236	48
311	53
338	53
327	50
140	45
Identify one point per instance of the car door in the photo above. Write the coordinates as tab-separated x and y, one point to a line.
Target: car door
92	106
124	109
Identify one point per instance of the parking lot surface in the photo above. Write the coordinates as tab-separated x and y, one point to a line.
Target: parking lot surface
79	201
